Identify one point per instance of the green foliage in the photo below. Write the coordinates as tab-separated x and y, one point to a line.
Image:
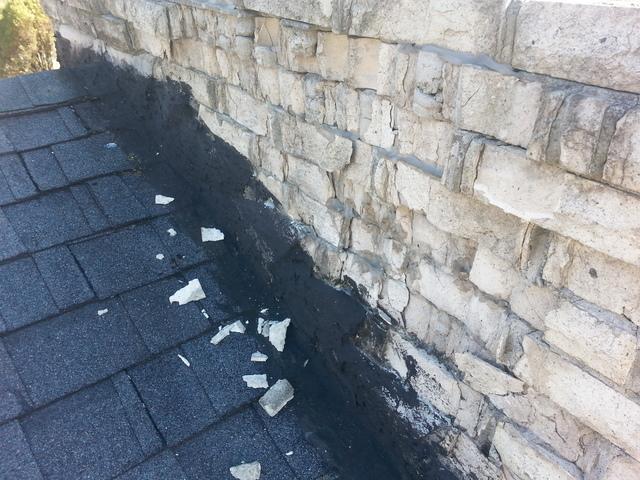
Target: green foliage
26	38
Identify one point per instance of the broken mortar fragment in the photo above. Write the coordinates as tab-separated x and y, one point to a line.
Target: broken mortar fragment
160	256
246	471
211	234
278	333
172	232
256	381
189	293
162	200
184	360
102	312
235	327
276	397
259	357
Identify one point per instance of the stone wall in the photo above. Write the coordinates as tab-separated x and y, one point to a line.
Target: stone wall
473	167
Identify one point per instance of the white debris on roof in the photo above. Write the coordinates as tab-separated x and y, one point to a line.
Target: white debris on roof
262	326
276	397
204	313
102	312
256	381
211	234
269	203
305	363
289	453
264	310
184	360
160	256
246	471
172	232
189	293
278	333
111	146
162	200
259	357
237	327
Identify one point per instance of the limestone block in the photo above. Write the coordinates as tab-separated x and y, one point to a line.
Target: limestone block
417	315
501	106
598	216
609	283
317	12
621	467
203	88
493	274
353	183
317	144
550	38
148	16
458	25
367	278
298	46
328	259
240	138
445	249
595	404
528	460
467	457
271	160
113	31
426	106
268	84
376	120
461	163
265	56
193	53
622	167
279	190
319	104
144	63
394	295
267	31
486	378
532	303
363	62
413	186
333	56
427	139
485	319
246	110
365	238
292	91
603	341
328	223
310	178
429	67
550	423
347	108
396	72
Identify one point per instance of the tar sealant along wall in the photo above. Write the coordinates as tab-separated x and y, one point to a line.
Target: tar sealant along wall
473	166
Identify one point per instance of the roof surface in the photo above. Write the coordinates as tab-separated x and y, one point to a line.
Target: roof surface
84	395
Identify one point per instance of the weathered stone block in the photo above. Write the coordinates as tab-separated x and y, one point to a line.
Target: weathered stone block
291	86
297	50
317	144
240	138
597	405
609	283
550	38
622	167
367	278
363	62
317	12
427	139
528	460
601	340
429	67
598	216
195	54
310	178
376	120
246	110
327	222
333	56
486	378
502	106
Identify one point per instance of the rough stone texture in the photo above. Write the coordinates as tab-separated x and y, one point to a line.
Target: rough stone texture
472	167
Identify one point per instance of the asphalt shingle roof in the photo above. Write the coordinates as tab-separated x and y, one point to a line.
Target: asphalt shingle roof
92	396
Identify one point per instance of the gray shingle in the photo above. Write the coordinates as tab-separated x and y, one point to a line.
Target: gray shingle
16	460
161	467
220	369
175	399
116	200
65	353
94	216
241	438
13	95
63	277
161	324
35	130
6	196
24	297
182	249
5	145
53	86
13	396
72	157
10	244
48	220
72	121
123	260
16	177
86	435
91	115
44	169
145	431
